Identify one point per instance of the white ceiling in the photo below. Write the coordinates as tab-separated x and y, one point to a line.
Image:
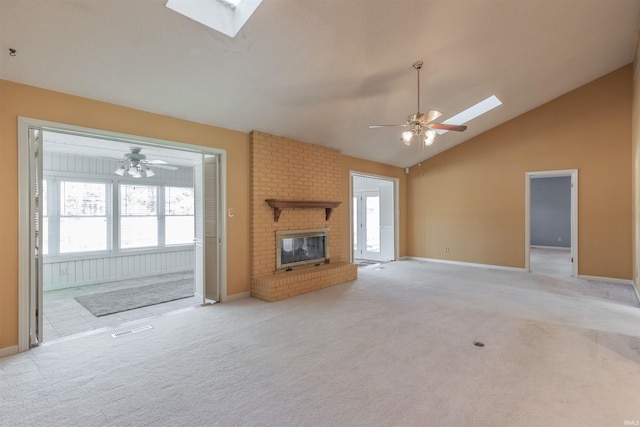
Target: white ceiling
321	71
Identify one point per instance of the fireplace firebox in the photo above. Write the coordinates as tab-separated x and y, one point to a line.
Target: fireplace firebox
298	248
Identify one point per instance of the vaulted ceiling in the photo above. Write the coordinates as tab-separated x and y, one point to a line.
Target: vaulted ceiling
321	71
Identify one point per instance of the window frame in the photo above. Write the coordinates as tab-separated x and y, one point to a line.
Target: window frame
112	207
54	214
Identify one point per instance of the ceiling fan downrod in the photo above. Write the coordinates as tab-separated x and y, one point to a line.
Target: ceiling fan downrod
418	65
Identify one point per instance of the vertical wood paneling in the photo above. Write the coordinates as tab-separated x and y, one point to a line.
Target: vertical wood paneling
85	268
113	268
46	273
71	273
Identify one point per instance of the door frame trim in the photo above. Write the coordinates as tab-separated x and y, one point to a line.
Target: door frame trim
396	210
573	173
24	171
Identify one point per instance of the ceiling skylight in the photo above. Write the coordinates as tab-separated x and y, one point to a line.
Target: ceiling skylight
225	16
472	112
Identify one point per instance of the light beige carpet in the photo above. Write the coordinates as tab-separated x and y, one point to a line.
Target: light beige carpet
394	348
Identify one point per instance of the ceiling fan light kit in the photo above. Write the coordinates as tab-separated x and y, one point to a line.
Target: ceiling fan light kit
420	124
136	165
135	170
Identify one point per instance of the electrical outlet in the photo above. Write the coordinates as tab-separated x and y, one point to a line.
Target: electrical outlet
446	250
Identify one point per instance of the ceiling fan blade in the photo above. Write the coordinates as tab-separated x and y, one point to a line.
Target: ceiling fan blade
156	162
171	168
387	126
442	126
431	116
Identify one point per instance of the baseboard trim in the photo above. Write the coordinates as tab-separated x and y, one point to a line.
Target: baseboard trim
237	296
467	264
637	294
607	279
8	351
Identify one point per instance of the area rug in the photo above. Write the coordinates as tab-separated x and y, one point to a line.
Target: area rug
116	301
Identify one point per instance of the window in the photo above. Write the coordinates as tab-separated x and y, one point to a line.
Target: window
77	216
83	217
138	216
178	215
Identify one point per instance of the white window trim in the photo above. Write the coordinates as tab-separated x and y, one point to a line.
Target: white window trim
55	214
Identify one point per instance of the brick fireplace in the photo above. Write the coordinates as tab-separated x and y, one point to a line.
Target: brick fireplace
285	169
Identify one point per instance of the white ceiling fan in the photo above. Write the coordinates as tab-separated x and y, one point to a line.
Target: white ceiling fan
419	124
136	165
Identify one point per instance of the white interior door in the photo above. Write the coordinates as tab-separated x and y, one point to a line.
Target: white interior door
35	239
211	229
198	240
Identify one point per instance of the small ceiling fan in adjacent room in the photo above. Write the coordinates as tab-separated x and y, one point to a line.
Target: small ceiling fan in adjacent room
136	165
420	125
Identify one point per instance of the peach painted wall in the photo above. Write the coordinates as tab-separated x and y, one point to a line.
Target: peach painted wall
471	198
353	164
20	100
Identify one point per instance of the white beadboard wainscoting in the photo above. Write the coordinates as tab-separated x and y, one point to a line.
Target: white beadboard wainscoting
80	271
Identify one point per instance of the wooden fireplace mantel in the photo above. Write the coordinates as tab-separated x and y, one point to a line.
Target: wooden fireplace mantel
278	205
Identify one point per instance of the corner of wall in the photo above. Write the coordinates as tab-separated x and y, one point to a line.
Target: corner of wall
635	167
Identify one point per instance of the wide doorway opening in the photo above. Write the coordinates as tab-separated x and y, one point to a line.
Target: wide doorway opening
120	228
374	223
551	223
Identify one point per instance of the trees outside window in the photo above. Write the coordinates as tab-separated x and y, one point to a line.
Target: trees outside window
83	217
179	218
138	216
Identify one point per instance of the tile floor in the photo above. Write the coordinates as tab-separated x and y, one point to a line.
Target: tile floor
64	316
552	261
365	263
